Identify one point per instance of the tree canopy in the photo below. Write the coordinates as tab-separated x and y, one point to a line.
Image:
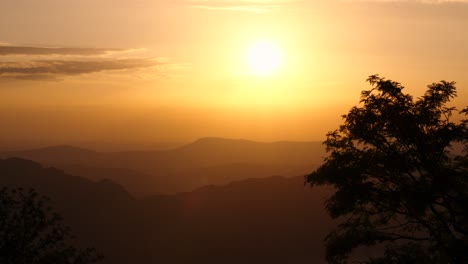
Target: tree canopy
398	181
31	233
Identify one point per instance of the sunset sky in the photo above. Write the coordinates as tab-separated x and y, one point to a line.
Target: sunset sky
178	70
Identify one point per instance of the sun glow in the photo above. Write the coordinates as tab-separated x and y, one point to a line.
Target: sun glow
263	58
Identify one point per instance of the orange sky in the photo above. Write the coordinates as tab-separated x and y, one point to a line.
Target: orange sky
174	70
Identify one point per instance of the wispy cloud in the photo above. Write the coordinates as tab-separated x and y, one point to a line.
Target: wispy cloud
254	9
19	50
56	63
256	6
52	69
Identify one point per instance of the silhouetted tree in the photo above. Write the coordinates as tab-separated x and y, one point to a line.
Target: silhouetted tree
30	233
398	182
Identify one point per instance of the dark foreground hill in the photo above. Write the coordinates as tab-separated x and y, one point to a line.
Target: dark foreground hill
203	162
270	220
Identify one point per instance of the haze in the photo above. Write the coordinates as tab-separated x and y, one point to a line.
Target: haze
174	71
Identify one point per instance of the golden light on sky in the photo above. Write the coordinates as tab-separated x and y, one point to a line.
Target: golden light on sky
178	70
264	58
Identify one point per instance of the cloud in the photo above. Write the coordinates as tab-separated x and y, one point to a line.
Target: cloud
54	64
256	6
254	9
264	6
19	50
52	69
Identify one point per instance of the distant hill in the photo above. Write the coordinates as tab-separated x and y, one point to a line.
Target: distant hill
214	151
270	220
98	212
180	180
29	174
205	161
137	183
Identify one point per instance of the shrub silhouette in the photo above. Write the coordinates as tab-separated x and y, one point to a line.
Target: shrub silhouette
30	233
398	182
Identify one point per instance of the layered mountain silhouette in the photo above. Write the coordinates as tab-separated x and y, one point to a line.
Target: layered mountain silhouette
203	162
268	220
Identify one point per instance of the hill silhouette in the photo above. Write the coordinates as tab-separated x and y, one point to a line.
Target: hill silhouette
205	161
269	220
94	210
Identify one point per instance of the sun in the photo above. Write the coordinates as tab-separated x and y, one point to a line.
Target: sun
263	58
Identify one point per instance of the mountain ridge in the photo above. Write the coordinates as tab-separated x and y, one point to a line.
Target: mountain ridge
202	140
272	220
205	161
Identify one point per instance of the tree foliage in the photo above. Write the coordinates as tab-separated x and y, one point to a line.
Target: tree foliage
30	233
398	183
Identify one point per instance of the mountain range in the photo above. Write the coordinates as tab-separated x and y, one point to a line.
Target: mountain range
263	220
206	161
